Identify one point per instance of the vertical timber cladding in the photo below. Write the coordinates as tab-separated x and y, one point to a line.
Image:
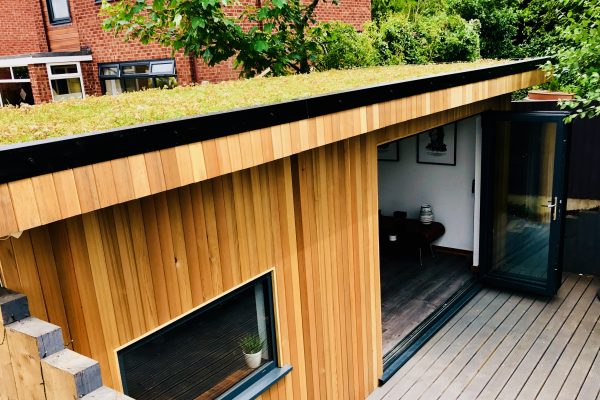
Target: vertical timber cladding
336	219
109	276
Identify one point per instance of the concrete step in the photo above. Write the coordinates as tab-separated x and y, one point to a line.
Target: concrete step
70	375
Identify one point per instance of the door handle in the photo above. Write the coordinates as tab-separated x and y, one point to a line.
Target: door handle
551	205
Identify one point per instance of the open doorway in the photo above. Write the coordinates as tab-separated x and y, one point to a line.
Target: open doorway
427	259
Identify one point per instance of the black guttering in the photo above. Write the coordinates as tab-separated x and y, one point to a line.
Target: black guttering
29	159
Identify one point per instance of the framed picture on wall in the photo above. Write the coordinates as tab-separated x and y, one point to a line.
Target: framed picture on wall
437	145
388	152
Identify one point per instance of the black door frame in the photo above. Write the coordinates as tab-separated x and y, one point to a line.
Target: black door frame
559	190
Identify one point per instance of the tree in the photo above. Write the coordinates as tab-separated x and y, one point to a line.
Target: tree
577	66
341	46
538	23
274	37
499	24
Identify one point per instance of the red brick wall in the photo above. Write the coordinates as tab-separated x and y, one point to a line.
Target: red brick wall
15	38
355	12
89	73
40	86
21	27
106	47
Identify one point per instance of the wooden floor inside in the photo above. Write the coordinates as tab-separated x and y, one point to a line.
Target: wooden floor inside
505	345
411	292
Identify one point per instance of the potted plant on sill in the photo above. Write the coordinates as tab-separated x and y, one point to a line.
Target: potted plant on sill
252	346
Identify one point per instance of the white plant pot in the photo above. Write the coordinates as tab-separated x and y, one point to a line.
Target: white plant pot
253	360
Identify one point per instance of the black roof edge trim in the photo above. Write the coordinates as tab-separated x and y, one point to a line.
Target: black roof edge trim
25	160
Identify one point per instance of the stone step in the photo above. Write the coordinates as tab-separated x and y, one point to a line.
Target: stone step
105	393
70	375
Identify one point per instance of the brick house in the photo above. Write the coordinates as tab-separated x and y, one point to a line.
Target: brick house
56	49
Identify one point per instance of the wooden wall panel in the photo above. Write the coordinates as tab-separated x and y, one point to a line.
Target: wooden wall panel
336	217
63	38
95	186
126	269
109	276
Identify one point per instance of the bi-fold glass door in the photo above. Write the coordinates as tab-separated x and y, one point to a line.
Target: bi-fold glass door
523	200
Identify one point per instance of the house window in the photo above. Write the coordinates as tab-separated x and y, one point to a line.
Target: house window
58	11
132	76
15	86
200	355
66	81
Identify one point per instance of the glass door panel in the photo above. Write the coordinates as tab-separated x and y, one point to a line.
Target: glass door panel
523	200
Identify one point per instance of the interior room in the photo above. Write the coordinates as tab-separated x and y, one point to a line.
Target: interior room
428	199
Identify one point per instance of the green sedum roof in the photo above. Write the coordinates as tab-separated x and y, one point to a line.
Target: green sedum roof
107	112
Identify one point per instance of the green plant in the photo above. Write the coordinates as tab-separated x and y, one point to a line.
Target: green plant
578	57
499	24
381	8
341	47
42	121
539	23
426	39
396	40
276	42
251	344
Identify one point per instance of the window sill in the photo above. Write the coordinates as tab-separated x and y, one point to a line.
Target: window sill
256	384
60	22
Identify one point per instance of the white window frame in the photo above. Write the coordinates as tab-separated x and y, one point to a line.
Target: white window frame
12	75
53	77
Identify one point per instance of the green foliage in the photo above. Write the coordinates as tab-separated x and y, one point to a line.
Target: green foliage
251	344
578	57
62	118
437	38
341	47
397	42
278	40
499	24
539	20
411	8
453	38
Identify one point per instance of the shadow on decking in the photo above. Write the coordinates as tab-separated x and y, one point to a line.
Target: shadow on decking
508	345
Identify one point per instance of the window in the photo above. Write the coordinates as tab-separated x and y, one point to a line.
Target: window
15	86
5	73
66	81
137	75
58	11
20	73
200	355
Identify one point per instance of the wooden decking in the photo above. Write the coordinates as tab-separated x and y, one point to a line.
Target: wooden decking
506	345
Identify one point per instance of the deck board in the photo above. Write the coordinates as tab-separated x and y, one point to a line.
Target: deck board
509	345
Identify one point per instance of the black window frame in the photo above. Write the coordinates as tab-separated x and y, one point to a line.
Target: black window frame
53	19
121	77
256	382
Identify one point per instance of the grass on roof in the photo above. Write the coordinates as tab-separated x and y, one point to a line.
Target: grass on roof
106	112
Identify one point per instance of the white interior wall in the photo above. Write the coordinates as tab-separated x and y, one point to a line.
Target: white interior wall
405	185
